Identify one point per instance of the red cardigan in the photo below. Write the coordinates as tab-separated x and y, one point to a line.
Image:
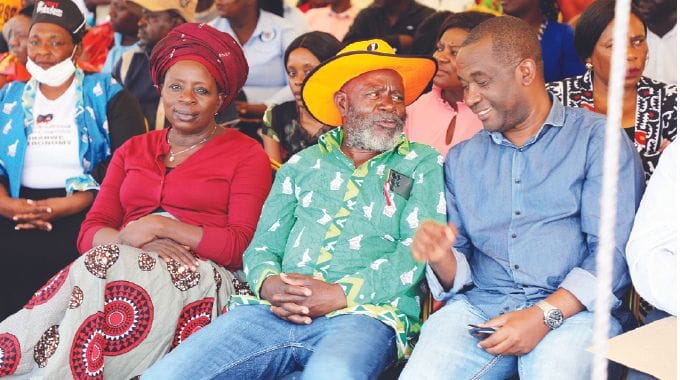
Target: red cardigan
221	188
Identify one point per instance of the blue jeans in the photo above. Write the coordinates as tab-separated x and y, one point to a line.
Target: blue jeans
250	342
446	350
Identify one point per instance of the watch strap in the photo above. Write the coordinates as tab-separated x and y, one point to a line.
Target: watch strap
545	306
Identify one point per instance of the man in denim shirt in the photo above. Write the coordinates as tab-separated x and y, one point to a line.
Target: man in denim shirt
523	200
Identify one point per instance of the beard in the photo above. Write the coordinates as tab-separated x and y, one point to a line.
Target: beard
359	130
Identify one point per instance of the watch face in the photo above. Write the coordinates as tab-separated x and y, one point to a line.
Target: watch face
553	318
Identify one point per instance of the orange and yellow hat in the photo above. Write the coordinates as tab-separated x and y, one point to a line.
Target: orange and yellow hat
356	59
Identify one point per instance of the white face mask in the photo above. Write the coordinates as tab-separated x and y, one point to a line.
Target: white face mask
54	76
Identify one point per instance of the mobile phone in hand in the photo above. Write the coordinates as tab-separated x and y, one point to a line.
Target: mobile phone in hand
481	332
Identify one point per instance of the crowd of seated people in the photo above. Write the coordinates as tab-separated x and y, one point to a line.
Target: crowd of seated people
448	150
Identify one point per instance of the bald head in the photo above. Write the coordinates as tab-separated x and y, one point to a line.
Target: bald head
512	41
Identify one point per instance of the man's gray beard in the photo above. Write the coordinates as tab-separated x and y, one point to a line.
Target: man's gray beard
361	136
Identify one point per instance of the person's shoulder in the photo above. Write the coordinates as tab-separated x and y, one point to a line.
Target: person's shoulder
98	77
268	18
14	87
424	151
416	7
219	23
142	144
656	86
285	107
558	27
101	83
571	81
371	10
584	121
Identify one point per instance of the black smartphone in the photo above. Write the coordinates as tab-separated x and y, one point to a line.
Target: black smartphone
481	332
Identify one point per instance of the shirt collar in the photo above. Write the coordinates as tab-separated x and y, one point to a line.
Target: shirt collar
264	29
556	117
332	140
117	39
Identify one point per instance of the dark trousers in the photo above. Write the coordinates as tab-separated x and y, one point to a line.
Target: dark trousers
30	257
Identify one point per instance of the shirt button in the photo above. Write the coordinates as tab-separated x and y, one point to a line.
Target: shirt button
513	236
506	308
518	212
516	266
517	180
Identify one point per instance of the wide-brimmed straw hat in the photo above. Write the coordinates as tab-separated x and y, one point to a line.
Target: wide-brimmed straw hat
355	59
185	8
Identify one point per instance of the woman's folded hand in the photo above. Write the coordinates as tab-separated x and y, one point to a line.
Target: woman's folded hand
169	249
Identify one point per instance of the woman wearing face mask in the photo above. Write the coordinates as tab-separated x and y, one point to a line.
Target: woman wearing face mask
58	132
440	118
289	127
650	115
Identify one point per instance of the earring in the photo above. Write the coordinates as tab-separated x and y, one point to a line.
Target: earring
589	66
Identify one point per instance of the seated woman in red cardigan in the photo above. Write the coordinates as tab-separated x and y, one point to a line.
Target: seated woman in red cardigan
163	241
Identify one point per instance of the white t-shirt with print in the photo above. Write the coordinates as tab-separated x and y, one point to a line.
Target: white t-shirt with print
52	153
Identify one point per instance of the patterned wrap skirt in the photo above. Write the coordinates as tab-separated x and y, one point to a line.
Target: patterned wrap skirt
111	314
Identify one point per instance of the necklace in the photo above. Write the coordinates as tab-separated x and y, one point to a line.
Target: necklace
203	140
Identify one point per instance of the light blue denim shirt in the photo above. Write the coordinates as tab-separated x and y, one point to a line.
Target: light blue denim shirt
116	52
528	216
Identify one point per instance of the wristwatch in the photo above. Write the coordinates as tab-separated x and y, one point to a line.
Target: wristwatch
552	316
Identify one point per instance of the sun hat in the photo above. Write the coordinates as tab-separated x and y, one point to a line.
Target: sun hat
354	60
185	8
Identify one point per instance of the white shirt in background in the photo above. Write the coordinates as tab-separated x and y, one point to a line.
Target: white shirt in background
448	5
652	247
663	57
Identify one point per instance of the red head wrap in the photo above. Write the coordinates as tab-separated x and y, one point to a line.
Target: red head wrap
217	51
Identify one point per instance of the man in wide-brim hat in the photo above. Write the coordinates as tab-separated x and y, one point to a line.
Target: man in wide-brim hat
337	292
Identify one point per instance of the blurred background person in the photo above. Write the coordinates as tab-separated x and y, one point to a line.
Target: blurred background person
427	34
394	21
662	39
557	40
289	127
649	107
8	8
264	38
13	63
292	14
58	132
125	16
158	18
335	18
441	118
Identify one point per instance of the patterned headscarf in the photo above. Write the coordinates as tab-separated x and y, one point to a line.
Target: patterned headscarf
217	51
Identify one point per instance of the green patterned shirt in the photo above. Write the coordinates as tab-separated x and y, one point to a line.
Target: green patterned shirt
352	226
